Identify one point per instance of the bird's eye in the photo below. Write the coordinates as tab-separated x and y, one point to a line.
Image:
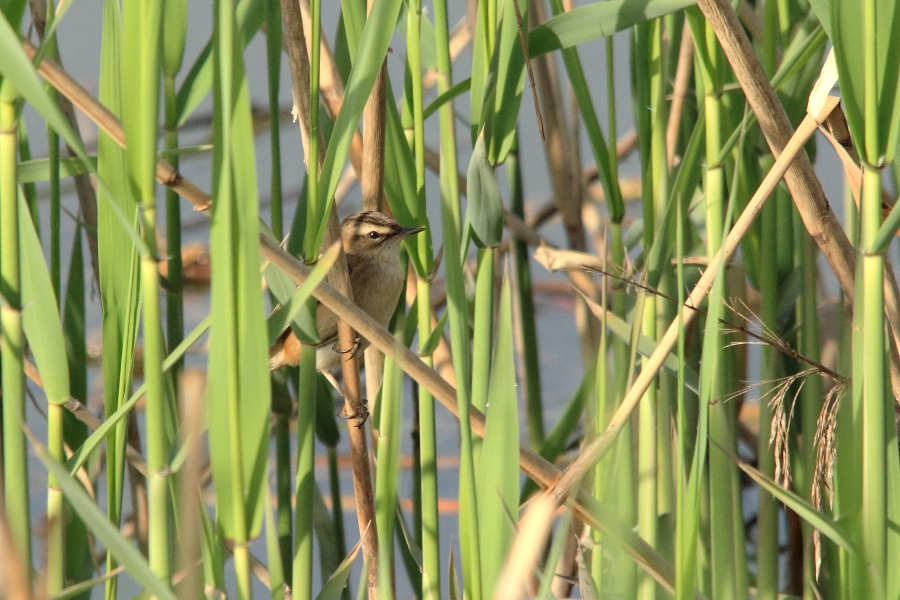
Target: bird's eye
374	235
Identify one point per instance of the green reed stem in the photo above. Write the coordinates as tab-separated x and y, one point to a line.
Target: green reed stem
875	414
174	299
314	208
143	21
529	361
649	73
337	509
12	337
622	483
458	311
306	389
306	456
429	531
387	478
767	584
812	397
281	416
56	545
56	549
727	567
767	509
272	9
173	56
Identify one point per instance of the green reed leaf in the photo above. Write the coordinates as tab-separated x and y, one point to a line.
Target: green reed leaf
597	20
40	314
485	209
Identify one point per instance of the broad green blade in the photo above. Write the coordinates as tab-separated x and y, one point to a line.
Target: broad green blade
39	169
597	20
239	384
485	207
506	79
40	315
498	485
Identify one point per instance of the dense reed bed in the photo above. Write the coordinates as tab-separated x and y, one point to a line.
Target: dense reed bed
736	332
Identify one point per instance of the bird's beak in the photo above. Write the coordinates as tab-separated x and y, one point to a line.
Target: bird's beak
408	231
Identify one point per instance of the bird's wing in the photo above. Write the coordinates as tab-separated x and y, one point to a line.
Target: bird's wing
326	323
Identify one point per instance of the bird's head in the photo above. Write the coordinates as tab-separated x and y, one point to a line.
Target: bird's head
371	233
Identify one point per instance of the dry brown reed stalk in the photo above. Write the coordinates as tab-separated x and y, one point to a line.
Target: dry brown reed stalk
564	165
188	580
679	92
533	465
298	58
13	577
806	190
372	186
372	176
566	566
574	264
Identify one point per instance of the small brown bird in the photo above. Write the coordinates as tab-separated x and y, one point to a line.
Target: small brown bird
371	242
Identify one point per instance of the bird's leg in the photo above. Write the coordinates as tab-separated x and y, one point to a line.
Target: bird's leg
351	351
360	418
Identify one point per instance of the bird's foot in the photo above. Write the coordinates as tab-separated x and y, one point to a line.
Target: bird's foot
351	351
358	415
